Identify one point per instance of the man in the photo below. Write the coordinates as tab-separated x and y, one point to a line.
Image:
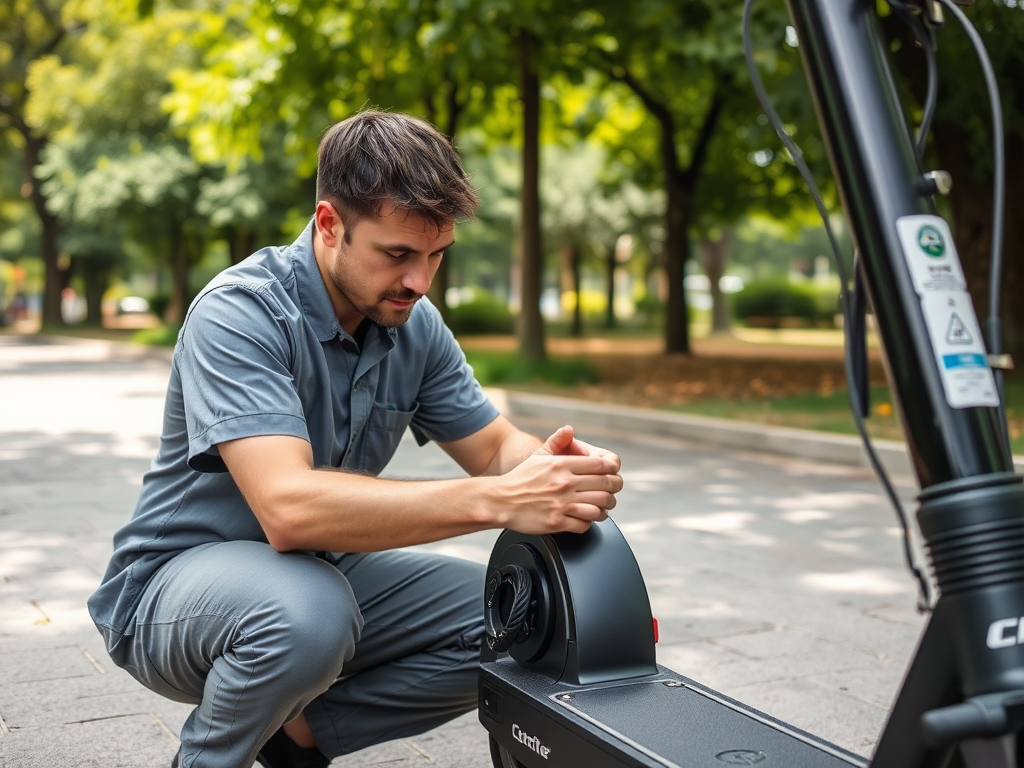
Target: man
257	577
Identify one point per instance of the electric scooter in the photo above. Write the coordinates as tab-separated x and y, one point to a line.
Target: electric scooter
569	676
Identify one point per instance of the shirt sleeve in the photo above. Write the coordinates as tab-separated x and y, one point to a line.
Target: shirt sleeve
234	357
452	404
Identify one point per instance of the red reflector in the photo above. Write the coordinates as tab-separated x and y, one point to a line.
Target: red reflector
654	621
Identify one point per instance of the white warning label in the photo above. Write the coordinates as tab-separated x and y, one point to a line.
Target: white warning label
958	333
948	312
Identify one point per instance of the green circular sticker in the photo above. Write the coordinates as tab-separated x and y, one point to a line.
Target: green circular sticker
931	241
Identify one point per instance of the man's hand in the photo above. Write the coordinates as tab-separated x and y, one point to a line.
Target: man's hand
563	442
564	486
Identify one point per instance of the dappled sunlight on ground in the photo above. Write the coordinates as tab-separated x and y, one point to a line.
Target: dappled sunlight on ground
827	501
801	516
861	582
650	478
734	525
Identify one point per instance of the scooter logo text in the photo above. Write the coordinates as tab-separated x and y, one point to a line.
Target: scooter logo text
530	741
1004	633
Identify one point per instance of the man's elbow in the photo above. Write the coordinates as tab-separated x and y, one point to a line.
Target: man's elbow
282	523
281	540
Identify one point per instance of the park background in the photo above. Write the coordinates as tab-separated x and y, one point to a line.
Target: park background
643	238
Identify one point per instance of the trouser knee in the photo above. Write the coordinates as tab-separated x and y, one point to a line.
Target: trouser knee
313	631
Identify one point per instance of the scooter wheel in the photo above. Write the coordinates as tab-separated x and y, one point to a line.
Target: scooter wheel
500	758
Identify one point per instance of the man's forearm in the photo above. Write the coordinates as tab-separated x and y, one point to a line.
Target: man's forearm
513	451
325	509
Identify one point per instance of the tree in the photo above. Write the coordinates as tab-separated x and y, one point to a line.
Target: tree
248	206
713	254
434	58
32	31
531	324
684	62
112	167
587	210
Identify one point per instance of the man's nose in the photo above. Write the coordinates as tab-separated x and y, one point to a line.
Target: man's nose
417	277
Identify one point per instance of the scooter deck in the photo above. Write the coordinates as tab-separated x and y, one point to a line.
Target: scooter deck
662	721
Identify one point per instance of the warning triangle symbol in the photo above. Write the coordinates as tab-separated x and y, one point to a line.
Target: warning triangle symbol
958	333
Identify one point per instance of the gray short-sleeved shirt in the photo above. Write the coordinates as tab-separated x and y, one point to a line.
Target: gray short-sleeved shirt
261	353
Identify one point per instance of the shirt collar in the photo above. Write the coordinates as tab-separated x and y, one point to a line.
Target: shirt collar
315	301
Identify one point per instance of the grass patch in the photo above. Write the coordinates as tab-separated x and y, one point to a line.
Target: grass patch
497	368
827	413
831	412
161	336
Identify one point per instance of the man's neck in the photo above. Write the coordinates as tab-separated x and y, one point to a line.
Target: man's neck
348	316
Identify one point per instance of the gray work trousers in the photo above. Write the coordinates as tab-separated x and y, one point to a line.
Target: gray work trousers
371	647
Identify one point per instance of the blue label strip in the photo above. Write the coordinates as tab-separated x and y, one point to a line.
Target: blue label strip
964	360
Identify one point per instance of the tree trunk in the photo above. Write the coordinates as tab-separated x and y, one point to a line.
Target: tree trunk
442	278
531	324
179	276
575	259
611	263
676	254
713	255
439	286
53	281
241	244
97	279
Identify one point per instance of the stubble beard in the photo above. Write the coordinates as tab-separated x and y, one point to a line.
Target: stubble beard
376	313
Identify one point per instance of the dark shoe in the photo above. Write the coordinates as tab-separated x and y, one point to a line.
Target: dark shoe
281	752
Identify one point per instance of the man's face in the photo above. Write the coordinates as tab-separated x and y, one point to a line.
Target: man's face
385	268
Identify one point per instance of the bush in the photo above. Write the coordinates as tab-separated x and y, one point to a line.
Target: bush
161	336
768	302
484	314
650	308
159	302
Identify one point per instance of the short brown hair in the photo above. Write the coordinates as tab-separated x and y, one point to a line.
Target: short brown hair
375	156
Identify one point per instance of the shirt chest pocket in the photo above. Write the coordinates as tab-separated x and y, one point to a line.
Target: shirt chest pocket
384	432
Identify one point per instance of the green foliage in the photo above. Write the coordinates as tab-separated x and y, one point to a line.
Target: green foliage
160	336
184	125
483	314
159	302
650	308
775	299
509	368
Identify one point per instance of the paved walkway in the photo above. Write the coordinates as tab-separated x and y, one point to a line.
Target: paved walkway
776	580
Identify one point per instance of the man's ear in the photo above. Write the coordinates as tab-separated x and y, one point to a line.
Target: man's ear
328	224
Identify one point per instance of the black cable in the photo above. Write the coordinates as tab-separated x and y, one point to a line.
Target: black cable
924	603
932	93
926	41
993	326
502	634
